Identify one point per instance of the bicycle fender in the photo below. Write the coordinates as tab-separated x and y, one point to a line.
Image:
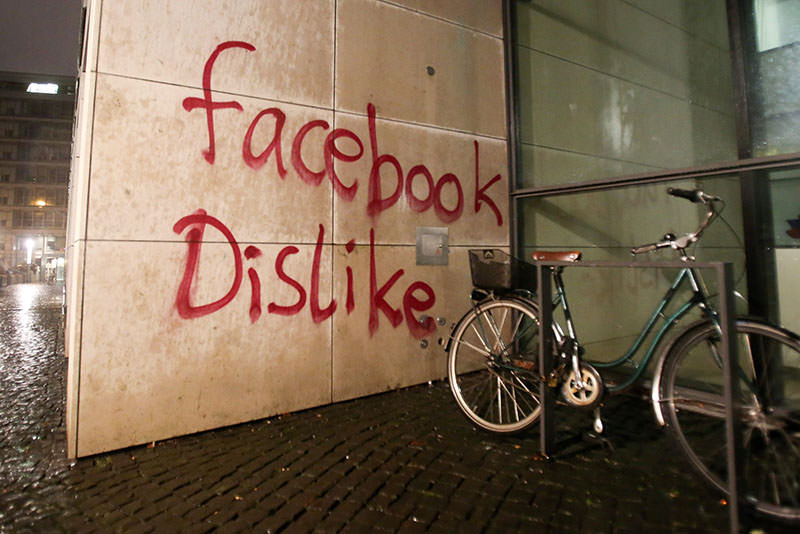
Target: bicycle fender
446	344
655	392
663	352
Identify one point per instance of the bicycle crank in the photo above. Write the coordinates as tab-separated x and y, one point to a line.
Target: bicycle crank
585	393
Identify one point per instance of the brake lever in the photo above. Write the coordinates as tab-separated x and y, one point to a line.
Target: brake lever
683	241
670	240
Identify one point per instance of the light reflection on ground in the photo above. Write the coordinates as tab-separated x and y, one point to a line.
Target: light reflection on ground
31	356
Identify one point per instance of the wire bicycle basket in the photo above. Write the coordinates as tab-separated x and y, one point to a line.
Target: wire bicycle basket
496	270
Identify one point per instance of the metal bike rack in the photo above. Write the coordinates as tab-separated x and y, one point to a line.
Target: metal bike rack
724	277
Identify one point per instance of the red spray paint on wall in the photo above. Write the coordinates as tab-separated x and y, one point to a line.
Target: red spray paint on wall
195	227
387	185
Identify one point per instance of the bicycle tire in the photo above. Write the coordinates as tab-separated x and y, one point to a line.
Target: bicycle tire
492	365
691	385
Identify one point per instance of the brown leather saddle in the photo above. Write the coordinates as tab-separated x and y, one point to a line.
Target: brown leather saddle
567	255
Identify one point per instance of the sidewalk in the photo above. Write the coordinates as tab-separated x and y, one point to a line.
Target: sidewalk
403	461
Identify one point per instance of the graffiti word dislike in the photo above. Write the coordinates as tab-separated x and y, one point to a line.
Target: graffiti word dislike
377	202
195	225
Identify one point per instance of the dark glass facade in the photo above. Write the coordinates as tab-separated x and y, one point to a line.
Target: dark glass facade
614	101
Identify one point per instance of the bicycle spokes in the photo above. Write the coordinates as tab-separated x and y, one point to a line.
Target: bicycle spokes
768	410
491	366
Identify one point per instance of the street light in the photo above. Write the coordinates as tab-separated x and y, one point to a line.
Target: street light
43	88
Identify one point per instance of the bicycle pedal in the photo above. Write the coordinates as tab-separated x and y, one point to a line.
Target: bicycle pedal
552	381
524	364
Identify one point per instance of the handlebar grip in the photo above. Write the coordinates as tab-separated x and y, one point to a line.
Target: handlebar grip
694	196
644	248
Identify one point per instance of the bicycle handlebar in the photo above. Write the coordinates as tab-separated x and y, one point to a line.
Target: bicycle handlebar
648	248
695	195
680	243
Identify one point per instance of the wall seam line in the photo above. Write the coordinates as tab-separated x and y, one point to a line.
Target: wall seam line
333	197
621	78
440	18
79	363
332	109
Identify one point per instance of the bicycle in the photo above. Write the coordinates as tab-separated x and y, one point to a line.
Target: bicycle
493	368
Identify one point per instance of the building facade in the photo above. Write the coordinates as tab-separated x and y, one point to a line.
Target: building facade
35	148
272	204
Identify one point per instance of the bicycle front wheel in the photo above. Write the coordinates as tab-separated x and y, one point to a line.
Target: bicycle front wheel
768	376
492	365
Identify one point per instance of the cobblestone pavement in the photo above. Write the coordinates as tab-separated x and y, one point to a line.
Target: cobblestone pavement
403	461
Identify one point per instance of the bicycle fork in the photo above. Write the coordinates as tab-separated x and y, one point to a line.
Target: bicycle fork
571	341
583	386
580	390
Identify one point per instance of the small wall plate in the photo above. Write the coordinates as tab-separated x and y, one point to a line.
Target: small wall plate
432	245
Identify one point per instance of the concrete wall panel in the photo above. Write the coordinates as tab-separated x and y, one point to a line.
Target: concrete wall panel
455	93
148	169
147	373
483	16
74	255
79	168
171	41
374	357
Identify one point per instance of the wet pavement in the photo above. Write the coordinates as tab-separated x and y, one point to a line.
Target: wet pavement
403	461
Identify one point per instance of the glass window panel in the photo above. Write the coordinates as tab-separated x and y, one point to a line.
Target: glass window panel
784	188
775	74
785	196
612	87
605	225
777	23
612	305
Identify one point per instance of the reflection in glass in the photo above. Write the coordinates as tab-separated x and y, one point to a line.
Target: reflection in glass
617	88
611	304
775	73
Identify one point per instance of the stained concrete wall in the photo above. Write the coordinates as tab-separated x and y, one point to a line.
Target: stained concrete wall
247	182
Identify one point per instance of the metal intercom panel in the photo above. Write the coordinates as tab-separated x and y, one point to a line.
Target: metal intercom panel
432	245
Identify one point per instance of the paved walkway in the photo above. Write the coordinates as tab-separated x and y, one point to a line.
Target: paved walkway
404	461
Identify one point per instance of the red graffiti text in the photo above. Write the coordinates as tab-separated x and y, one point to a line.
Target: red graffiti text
194	226
387	182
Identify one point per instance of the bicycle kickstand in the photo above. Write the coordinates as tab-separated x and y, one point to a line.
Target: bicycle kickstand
598	421
596	435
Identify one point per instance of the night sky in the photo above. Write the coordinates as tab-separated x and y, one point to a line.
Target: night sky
40	36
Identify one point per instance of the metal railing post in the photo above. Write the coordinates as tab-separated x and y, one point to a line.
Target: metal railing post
546	394
728	349
730	352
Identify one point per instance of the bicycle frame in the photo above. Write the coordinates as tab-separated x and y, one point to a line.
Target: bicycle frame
699	377
699	298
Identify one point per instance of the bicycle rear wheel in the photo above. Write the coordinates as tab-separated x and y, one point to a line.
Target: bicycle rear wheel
492	365
768	375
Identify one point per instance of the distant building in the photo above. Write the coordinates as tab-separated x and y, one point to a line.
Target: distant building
35	147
